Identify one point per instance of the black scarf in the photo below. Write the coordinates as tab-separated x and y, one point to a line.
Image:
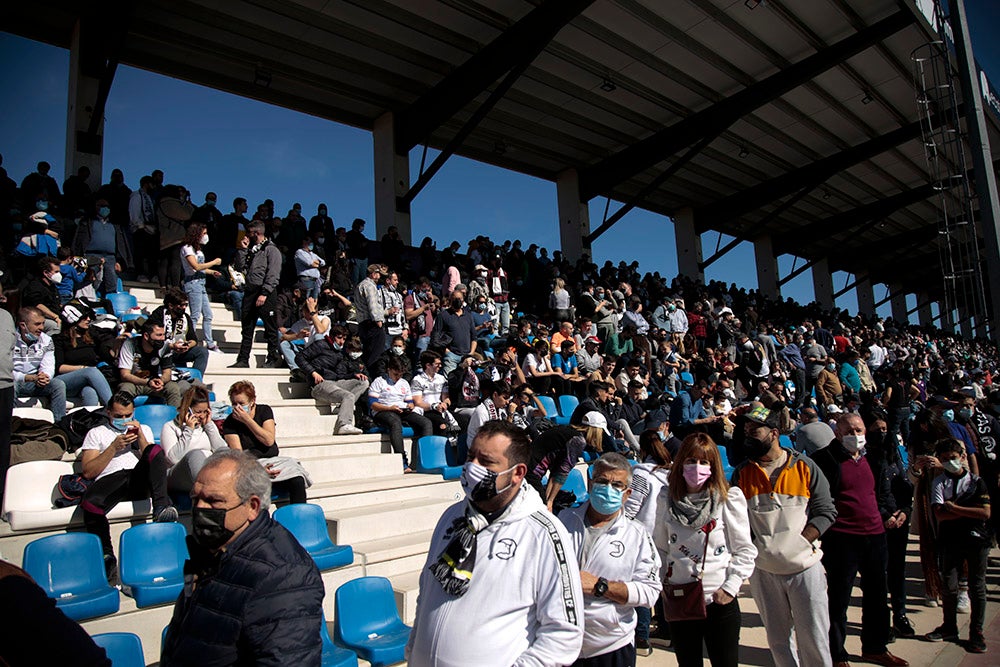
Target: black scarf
454	566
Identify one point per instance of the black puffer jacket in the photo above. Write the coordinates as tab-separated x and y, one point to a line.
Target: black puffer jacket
260	603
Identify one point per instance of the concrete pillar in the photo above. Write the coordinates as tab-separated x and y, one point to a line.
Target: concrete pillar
82	149
924	314
866	296
392	179
767	267
898	304
574	217
823	284
946	322
965	326
688	245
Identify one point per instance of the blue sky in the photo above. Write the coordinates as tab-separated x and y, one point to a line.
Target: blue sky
209	140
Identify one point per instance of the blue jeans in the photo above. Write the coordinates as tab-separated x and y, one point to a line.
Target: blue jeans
313	286
55	391
643	615
89	384
196	357
359	270
503	310
109	279
288	351
449	362
200	306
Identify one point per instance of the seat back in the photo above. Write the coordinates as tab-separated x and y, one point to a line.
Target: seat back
30	486
431	452
67	563
577	485
43	414
364	606
149	551
124	649
307	523
687	378
785	441
567	404
727	468
155	416
122	302
550	406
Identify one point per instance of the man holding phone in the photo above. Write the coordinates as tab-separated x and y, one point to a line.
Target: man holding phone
125	464
146	365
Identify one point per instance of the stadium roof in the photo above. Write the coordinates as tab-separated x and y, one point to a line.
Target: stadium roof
796	118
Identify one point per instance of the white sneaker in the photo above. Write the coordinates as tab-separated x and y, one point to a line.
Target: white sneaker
348	429
930	601
213	346
964	605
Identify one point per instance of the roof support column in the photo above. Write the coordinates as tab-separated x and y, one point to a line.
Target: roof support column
688	242
767	267
392	180
823	284
574	216
965	326
83	148
986	182
898	303
947	322
866	296
924	314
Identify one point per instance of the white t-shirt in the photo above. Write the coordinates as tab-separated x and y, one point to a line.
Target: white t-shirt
188	251
535	363
314	335
429	389
945	487
381	391
99	438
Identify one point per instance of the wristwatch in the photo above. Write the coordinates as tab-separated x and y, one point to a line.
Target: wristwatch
601	587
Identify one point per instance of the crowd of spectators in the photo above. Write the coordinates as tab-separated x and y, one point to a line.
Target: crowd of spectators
446	341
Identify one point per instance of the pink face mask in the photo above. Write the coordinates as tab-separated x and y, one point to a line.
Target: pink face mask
695	474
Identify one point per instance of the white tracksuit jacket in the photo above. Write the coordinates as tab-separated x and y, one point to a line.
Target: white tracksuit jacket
624	552
524	606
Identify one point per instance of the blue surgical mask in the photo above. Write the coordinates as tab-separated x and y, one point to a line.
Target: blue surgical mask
104	211
120	423
310	246
605	499
320	240
42	205
948	415
29	338
966	412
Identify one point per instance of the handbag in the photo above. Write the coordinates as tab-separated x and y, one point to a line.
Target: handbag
686	602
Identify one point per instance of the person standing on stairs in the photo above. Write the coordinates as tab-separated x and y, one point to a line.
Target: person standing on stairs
335	379
260	261
196	269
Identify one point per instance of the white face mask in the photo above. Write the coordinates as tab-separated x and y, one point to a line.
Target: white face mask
954	466
204	239
853	443
56	277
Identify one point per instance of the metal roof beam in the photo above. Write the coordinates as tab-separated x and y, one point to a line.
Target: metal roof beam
759	195
802	269
715	119
516	47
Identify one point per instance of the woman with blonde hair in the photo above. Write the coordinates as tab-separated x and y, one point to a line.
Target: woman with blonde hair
559	303
703	535
557	450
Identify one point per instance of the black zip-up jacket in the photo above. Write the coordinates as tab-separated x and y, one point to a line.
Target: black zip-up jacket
321	357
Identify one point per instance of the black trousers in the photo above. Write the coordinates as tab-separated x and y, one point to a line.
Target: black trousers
844	557
720	632
393	421
373	342
623	657
895	574
148	479
251	313
6	411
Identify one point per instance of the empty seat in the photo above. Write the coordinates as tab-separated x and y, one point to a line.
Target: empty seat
155	416
124	649
727	468
31	490
333	655
43	414
122	302
308	524
432	457
567	404
551	411
193	372
152	562
367	621
686	378
785	441
577	486
70	569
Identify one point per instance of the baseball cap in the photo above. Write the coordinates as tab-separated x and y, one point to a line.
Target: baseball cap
596	420
761	415
593	339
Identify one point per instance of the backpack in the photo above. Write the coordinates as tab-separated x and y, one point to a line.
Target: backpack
77	424
71	488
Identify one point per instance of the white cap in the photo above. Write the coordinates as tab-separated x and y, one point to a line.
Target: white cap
597	420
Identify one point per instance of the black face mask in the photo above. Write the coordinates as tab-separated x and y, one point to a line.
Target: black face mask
456	304
755	447
209	526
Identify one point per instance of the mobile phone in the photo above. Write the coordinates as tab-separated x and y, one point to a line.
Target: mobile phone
132	430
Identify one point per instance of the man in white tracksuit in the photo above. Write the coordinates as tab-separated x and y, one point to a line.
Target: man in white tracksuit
619	566
501	585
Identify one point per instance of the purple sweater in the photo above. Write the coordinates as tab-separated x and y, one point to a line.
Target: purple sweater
857	507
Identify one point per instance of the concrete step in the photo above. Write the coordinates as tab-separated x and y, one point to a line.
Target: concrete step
373	522
394	555
406	587
272	385
333	445
351	467
367	493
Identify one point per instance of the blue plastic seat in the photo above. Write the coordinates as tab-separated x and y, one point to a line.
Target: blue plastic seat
128	317
785	441
193	372
457	456
308	524
368	623
70	569
686	378
124	649
551	411
727	469
578	486
155	416
152	562
567	404
904	455
122	302
432	457
407	430
333	655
